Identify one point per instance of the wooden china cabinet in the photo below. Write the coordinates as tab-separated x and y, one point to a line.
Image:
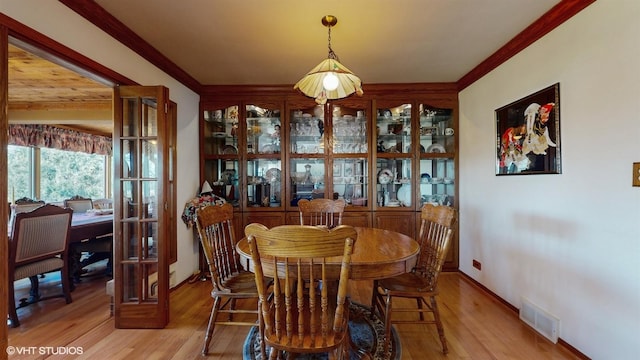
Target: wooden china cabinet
386	153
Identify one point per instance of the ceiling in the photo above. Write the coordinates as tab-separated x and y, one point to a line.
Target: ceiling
227	42
44	92
257	42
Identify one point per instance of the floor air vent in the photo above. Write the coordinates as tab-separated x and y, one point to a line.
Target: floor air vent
541	321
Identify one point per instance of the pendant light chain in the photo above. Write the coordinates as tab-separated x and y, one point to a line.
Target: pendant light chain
332	55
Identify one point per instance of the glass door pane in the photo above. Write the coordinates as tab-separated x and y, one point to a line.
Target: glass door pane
394	129
140	256
307	179
263	130
220	131
264	159
306	130
394	156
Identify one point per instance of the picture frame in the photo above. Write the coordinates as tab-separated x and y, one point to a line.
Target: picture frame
528	134
337	170
348	170
429	131
358	168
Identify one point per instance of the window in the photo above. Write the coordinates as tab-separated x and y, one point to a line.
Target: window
54	175
21	175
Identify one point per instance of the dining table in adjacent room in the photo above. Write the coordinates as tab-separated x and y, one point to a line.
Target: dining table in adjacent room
86	226
90	225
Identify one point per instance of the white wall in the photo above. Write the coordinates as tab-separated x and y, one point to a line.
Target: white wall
63	25
570	243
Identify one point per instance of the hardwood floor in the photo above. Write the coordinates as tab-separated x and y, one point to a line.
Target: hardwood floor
477	326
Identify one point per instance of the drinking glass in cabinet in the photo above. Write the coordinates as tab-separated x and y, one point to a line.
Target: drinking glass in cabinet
263	130
350	132
306	133
221	131
394	129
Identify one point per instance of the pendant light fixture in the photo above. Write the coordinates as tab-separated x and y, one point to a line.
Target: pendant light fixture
329	80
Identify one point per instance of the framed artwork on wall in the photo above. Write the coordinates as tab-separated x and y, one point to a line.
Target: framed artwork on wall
528	134
337	170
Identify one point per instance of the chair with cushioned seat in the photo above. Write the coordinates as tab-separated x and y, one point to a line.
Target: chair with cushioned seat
79	204
39	244
24	204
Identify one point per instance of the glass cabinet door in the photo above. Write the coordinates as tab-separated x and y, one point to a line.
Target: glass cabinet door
306	130
263	164
349	130
349	160
437	160
351	180
220	134
437	181
307	179
393	188
394	129
394	156
220	131
436	130
222	175
263	130
264	183
307	153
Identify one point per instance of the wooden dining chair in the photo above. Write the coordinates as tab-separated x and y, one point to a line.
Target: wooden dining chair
230	281
436	233
79	204
39	244
324	212
294	319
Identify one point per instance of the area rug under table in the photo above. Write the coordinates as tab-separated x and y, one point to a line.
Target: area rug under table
366	333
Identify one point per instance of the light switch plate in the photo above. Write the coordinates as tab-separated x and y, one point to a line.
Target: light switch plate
636	174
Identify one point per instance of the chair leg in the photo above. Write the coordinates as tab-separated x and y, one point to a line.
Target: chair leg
232	306
66	283
211	325
376	301
436	316
263	346
387	323
34	292
13	315
419	302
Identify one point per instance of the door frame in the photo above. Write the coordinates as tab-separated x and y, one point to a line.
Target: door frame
59	54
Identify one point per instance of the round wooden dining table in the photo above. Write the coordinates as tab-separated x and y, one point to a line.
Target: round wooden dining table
377	254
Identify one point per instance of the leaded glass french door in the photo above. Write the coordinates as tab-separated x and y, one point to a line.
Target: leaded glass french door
142	193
